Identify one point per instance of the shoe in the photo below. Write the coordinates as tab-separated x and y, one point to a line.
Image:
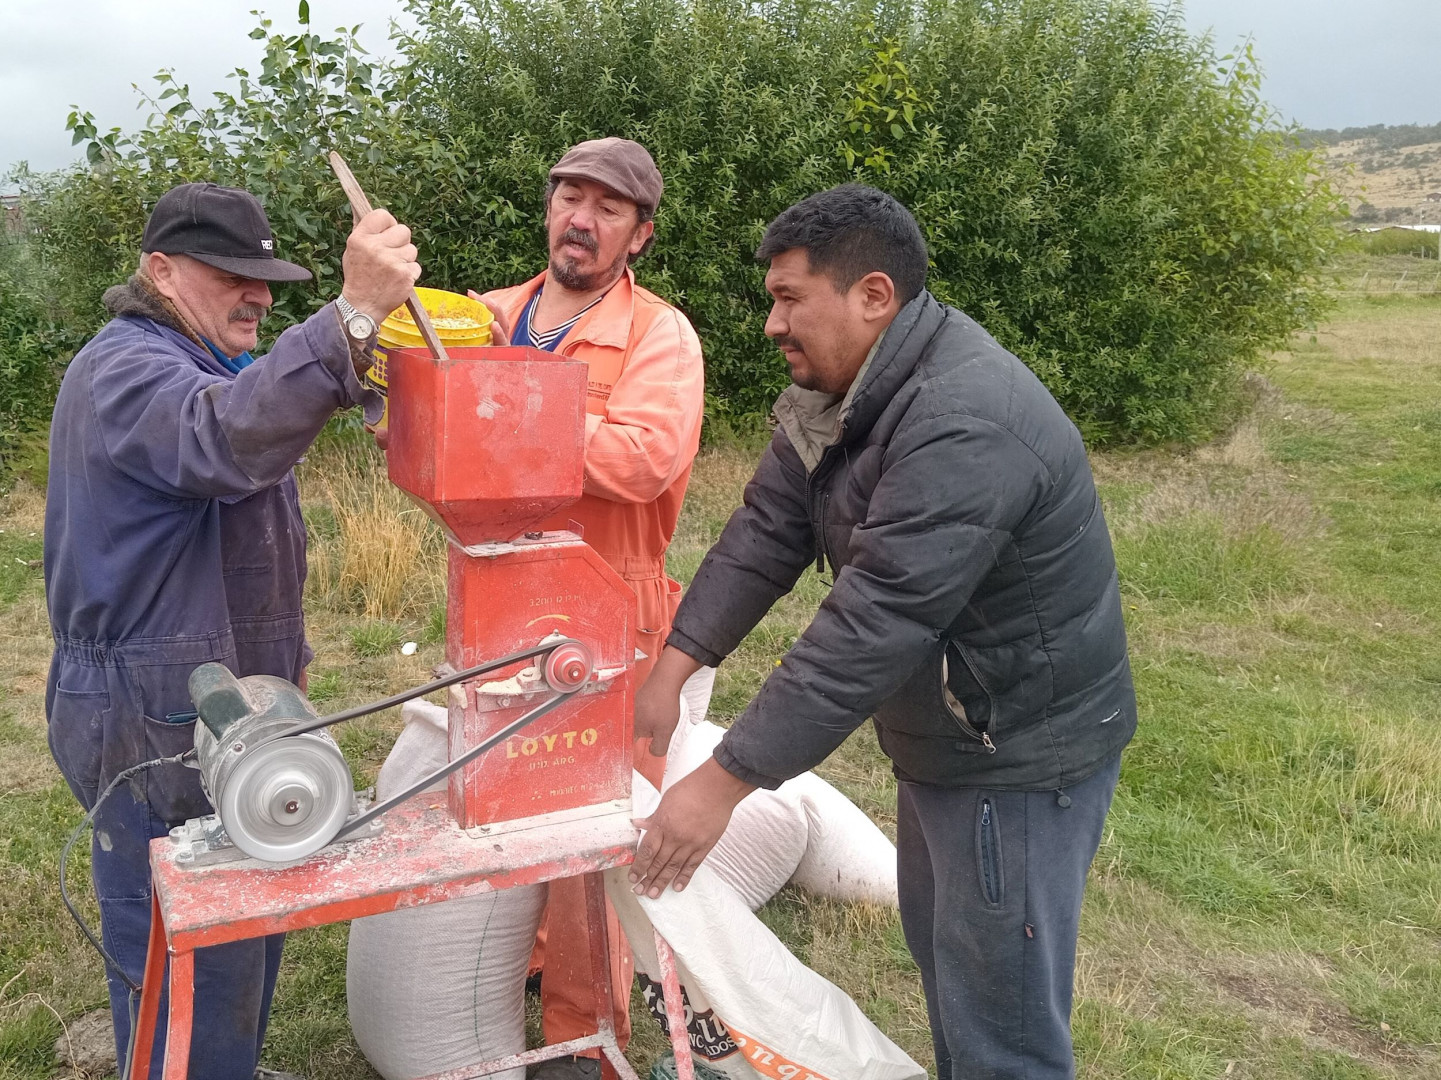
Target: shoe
271	1074
580	1068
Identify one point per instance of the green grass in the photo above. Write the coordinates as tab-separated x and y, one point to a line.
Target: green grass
19	563
1267	898
373	639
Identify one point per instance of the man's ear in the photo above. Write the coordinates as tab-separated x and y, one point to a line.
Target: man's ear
643	232
878	296
163	270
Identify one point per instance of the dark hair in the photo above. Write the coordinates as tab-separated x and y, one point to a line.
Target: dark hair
851	231
642	215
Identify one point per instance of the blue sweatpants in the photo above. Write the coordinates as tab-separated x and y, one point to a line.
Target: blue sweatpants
990	893
233	983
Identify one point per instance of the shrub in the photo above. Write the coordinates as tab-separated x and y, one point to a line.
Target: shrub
33	346
1398	242
1109	199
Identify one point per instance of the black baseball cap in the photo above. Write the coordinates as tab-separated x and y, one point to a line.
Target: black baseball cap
222	227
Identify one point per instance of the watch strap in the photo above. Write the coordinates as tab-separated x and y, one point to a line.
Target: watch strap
362	356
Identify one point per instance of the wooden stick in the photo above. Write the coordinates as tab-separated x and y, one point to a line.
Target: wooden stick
359	207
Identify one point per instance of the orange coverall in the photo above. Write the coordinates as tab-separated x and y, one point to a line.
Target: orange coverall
644	404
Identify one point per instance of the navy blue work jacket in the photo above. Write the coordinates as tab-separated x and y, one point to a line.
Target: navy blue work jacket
173	535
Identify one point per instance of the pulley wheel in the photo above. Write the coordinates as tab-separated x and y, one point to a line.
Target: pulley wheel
286	799
568	667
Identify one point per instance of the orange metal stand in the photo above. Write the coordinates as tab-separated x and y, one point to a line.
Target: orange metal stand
421	857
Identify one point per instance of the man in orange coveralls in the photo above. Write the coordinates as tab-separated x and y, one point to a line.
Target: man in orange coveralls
643	405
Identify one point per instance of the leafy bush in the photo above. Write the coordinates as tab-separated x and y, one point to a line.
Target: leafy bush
1111	201
33	345
1398	242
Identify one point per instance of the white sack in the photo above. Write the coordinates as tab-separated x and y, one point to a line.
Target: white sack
419	750
756	1011
847	857
766	838
805	832
441	986
696	693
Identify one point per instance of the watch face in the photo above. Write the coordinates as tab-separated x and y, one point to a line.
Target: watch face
360	326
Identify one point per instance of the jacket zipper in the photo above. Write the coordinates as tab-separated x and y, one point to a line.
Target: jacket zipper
983	736
990	878
817	517
963	721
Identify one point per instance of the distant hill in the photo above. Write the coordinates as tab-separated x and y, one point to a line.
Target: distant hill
1385	171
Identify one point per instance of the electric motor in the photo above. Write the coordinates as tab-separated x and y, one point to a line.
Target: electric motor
280	797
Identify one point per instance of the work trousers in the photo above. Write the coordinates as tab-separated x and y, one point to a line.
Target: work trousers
990	889
233	983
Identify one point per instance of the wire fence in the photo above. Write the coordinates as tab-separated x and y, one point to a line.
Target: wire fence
1383	282
1396	275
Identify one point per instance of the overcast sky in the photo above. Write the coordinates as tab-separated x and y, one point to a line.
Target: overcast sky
1328	63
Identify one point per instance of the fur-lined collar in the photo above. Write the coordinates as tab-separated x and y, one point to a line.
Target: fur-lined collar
138	296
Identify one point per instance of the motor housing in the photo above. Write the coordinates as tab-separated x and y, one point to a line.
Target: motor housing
279	798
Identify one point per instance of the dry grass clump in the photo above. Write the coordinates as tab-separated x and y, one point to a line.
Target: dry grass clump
1234	481
1398	769
25	646
373	552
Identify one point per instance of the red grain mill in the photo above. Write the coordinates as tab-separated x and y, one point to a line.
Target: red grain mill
491	443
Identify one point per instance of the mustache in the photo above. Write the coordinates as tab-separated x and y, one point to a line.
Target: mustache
584	239
785	341
247	311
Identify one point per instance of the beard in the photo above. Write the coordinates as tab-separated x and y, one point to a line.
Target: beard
806	380
567	273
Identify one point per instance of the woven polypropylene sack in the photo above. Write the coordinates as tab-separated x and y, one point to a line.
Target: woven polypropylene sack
441	986
754	1011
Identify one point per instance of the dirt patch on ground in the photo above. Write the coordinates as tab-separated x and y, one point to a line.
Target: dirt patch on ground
1261	984
86	1050
1148	944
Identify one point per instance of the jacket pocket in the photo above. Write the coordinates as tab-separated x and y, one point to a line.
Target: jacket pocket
968	700
988	854
173	790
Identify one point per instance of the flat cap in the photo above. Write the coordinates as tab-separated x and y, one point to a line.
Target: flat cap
624	166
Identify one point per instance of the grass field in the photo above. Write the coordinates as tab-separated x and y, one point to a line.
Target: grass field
1267	899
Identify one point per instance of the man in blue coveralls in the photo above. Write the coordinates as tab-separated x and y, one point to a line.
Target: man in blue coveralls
173	537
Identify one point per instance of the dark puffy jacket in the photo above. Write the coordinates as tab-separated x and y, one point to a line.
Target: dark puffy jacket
975	612
173	534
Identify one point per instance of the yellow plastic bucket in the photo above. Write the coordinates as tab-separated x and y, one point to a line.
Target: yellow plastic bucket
459	321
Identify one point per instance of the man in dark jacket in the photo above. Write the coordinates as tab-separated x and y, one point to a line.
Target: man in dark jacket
173	537
974	615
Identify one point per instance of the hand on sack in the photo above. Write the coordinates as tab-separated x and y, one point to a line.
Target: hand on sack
379	265
657	702
691	817
499	332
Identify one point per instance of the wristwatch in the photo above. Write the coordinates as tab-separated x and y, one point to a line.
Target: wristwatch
358	325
